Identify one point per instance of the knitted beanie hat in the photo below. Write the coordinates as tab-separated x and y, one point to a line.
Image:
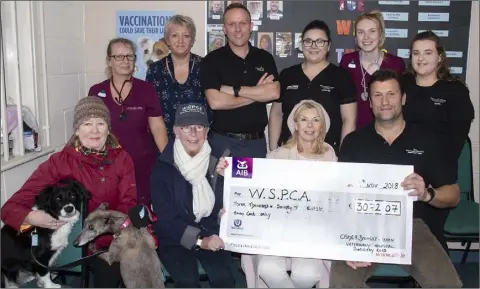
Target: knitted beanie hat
88	107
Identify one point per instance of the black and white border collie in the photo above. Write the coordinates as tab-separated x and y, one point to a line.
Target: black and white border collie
63	202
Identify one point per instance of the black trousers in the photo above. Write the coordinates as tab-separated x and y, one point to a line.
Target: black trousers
104	275
238	148
181	264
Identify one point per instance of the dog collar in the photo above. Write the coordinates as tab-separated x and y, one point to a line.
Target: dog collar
124	225
128	222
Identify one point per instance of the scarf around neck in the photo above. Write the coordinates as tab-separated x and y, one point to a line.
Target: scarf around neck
194	170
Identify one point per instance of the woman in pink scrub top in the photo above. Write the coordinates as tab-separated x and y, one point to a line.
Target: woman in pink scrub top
361	64
137	116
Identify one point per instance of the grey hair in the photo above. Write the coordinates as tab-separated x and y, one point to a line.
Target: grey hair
183	21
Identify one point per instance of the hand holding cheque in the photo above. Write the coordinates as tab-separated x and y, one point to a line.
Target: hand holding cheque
324	210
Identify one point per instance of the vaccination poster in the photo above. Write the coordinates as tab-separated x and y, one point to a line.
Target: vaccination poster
145	29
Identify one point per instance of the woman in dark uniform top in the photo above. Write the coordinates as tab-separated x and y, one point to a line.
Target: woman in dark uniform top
438	101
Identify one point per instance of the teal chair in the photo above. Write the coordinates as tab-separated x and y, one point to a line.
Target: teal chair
390	273
462	225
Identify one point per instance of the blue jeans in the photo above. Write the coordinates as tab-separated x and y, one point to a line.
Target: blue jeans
238	148
181	264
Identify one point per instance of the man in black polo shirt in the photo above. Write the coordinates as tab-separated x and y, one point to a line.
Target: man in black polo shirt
239	80
390	140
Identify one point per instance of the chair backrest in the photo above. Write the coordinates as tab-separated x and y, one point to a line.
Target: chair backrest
465	172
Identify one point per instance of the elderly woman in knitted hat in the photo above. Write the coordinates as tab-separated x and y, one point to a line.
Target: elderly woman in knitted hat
309	123
93	158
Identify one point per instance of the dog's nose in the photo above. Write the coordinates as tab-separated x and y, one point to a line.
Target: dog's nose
69	209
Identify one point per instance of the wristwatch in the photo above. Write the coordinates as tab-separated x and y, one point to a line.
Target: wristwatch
236	90
199	243
431	192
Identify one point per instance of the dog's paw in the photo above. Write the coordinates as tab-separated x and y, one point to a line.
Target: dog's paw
48	284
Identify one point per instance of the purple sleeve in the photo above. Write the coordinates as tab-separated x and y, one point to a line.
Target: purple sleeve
153	105
93	91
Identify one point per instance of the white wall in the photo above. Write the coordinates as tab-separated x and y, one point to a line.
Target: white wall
76	36
65	59
65	63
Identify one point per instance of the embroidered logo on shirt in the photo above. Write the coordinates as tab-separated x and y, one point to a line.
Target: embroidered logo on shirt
292	87
102	93
326	88
260	68
414	151
438	101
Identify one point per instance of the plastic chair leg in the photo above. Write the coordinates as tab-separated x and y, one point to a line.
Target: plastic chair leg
465	253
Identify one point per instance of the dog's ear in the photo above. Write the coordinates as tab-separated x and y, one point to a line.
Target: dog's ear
103	206
42	200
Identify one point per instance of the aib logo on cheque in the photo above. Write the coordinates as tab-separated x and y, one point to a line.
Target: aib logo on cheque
242	168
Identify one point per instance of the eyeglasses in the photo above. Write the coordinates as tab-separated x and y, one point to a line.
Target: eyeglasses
319	42
190	128
130	57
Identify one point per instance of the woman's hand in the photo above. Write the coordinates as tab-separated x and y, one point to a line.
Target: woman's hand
41	219
221	166
355	264
221	212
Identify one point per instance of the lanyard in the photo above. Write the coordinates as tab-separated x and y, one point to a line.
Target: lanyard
120	99
123	115
364	94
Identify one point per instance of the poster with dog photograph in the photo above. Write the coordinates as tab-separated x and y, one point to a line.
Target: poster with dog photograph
145	29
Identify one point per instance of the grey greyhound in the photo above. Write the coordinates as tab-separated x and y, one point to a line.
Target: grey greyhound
133	248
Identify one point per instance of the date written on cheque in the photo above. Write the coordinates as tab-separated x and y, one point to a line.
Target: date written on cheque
378	207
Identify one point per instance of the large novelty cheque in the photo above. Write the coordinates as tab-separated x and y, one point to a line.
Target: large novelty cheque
324	210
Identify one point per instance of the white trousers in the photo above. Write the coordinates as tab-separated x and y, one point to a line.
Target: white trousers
305	273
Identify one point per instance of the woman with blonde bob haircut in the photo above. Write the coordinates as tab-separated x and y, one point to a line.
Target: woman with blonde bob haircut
176	77
309	124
